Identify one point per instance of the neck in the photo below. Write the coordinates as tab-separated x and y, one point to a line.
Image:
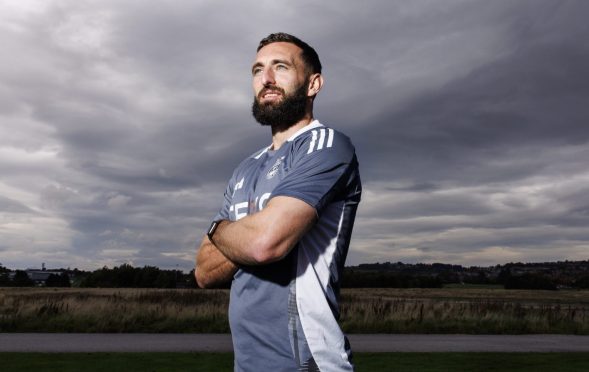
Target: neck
280	136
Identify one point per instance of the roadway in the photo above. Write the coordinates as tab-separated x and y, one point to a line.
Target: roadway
149	342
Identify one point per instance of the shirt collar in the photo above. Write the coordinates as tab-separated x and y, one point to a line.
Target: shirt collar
312	125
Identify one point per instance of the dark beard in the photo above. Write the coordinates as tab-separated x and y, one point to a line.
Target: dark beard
282	115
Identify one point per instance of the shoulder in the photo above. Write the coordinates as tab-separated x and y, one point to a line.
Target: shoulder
252	158
258	154
323	140
250	161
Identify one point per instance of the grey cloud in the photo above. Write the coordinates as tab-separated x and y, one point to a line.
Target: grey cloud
424	187
490	114
123	122
8	205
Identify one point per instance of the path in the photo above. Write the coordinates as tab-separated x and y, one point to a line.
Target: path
149	342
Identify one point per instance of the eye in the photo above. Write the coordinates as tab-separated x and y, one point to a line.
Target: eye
256	71
281	67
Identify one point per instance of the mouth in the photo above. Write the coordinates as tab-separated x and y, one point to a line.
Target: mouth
270	94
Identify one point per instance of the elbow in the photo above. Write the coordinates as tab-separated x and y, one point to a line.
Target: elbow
202	280
267	250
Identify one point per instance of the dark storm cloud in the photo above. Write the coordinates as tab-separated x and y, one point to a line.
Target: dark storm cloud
531	98
509	133
121	123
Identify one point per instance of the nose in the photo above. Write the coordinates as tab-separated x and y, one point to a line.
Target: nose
268	77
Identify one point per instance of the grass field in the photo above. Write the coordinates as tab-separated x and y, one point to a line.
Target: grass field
446	310
465	310
218	362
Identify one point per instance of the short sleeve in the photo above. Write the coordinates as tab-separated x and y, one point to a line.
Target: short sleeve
324	161
223	213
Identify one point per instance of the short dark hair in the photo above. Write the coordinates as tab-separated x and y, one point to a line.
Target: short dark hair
310	56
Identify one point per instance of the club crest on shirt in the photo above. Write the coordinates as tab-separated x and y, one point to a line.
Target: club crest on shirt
274	170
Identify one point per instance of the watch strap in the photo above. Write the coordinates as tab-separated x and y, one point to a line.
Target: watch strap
212	229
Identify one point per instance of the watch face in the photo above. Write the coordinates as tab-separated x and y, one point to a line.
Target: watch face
212	229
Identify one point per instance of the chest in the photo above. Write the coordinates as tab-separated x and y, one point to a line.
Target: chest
254	183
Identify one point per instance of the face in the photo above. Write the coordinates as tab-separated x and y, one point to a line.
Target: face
280	85
277	65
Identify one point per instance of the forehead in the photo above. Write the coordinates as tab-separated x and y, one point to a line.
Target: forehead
279	50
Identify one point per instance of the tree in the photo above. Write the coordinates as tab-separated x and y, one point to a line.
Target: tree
61	280
21	279
165	279
124	276
146	277
529	281
4	279
101	278
582	282
192	279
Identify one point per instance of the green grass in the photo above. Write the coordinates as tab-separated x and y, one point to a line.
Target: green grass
144	362
114	362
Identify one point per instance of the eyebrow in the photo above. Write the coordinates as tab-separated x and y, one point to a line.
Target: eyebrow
273	62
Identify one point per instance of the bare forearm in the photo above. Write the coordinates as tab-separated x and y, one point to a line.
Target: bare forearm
239	241
212	267
266	236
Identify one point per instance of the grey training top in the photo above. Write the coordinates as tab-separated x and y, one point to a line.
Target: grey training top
283	315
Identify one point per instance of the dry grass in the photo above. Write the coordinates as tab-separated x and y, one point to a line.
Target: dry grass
112	310
493	311
363	310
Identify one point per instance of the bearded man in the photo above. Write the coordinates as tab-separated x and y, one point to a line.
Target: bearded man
283	231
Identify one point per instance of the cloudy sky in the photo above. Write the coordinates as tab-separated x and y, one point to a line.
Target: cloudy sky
121	121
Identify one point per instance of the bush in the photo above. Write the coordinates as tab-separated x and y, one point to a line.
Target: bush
54	280
371	279
529	281
582	282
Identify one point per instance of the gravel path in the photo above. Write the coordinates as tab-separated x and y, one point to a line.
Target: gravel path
142	342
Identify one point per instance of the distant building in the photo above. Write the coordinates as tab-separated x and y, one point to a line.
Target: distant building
39	277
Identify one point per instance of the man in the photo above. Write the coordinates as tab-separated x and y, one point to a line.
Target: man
283	232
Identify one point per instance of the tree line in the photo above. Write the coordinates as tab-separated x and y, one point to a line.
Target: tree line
127	276
123	276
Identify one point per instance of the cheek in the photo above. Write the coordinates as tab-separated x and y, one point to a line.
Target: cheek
289	84
257	86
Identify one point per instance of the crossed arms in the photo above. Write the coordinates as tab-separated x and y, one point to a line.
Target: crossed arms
257	239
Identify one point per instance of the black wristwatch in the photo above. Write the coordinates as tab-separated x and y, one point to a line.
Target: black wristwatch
212	229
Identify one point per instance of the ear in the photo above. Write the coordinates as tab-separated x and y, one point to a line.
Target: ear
315	85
